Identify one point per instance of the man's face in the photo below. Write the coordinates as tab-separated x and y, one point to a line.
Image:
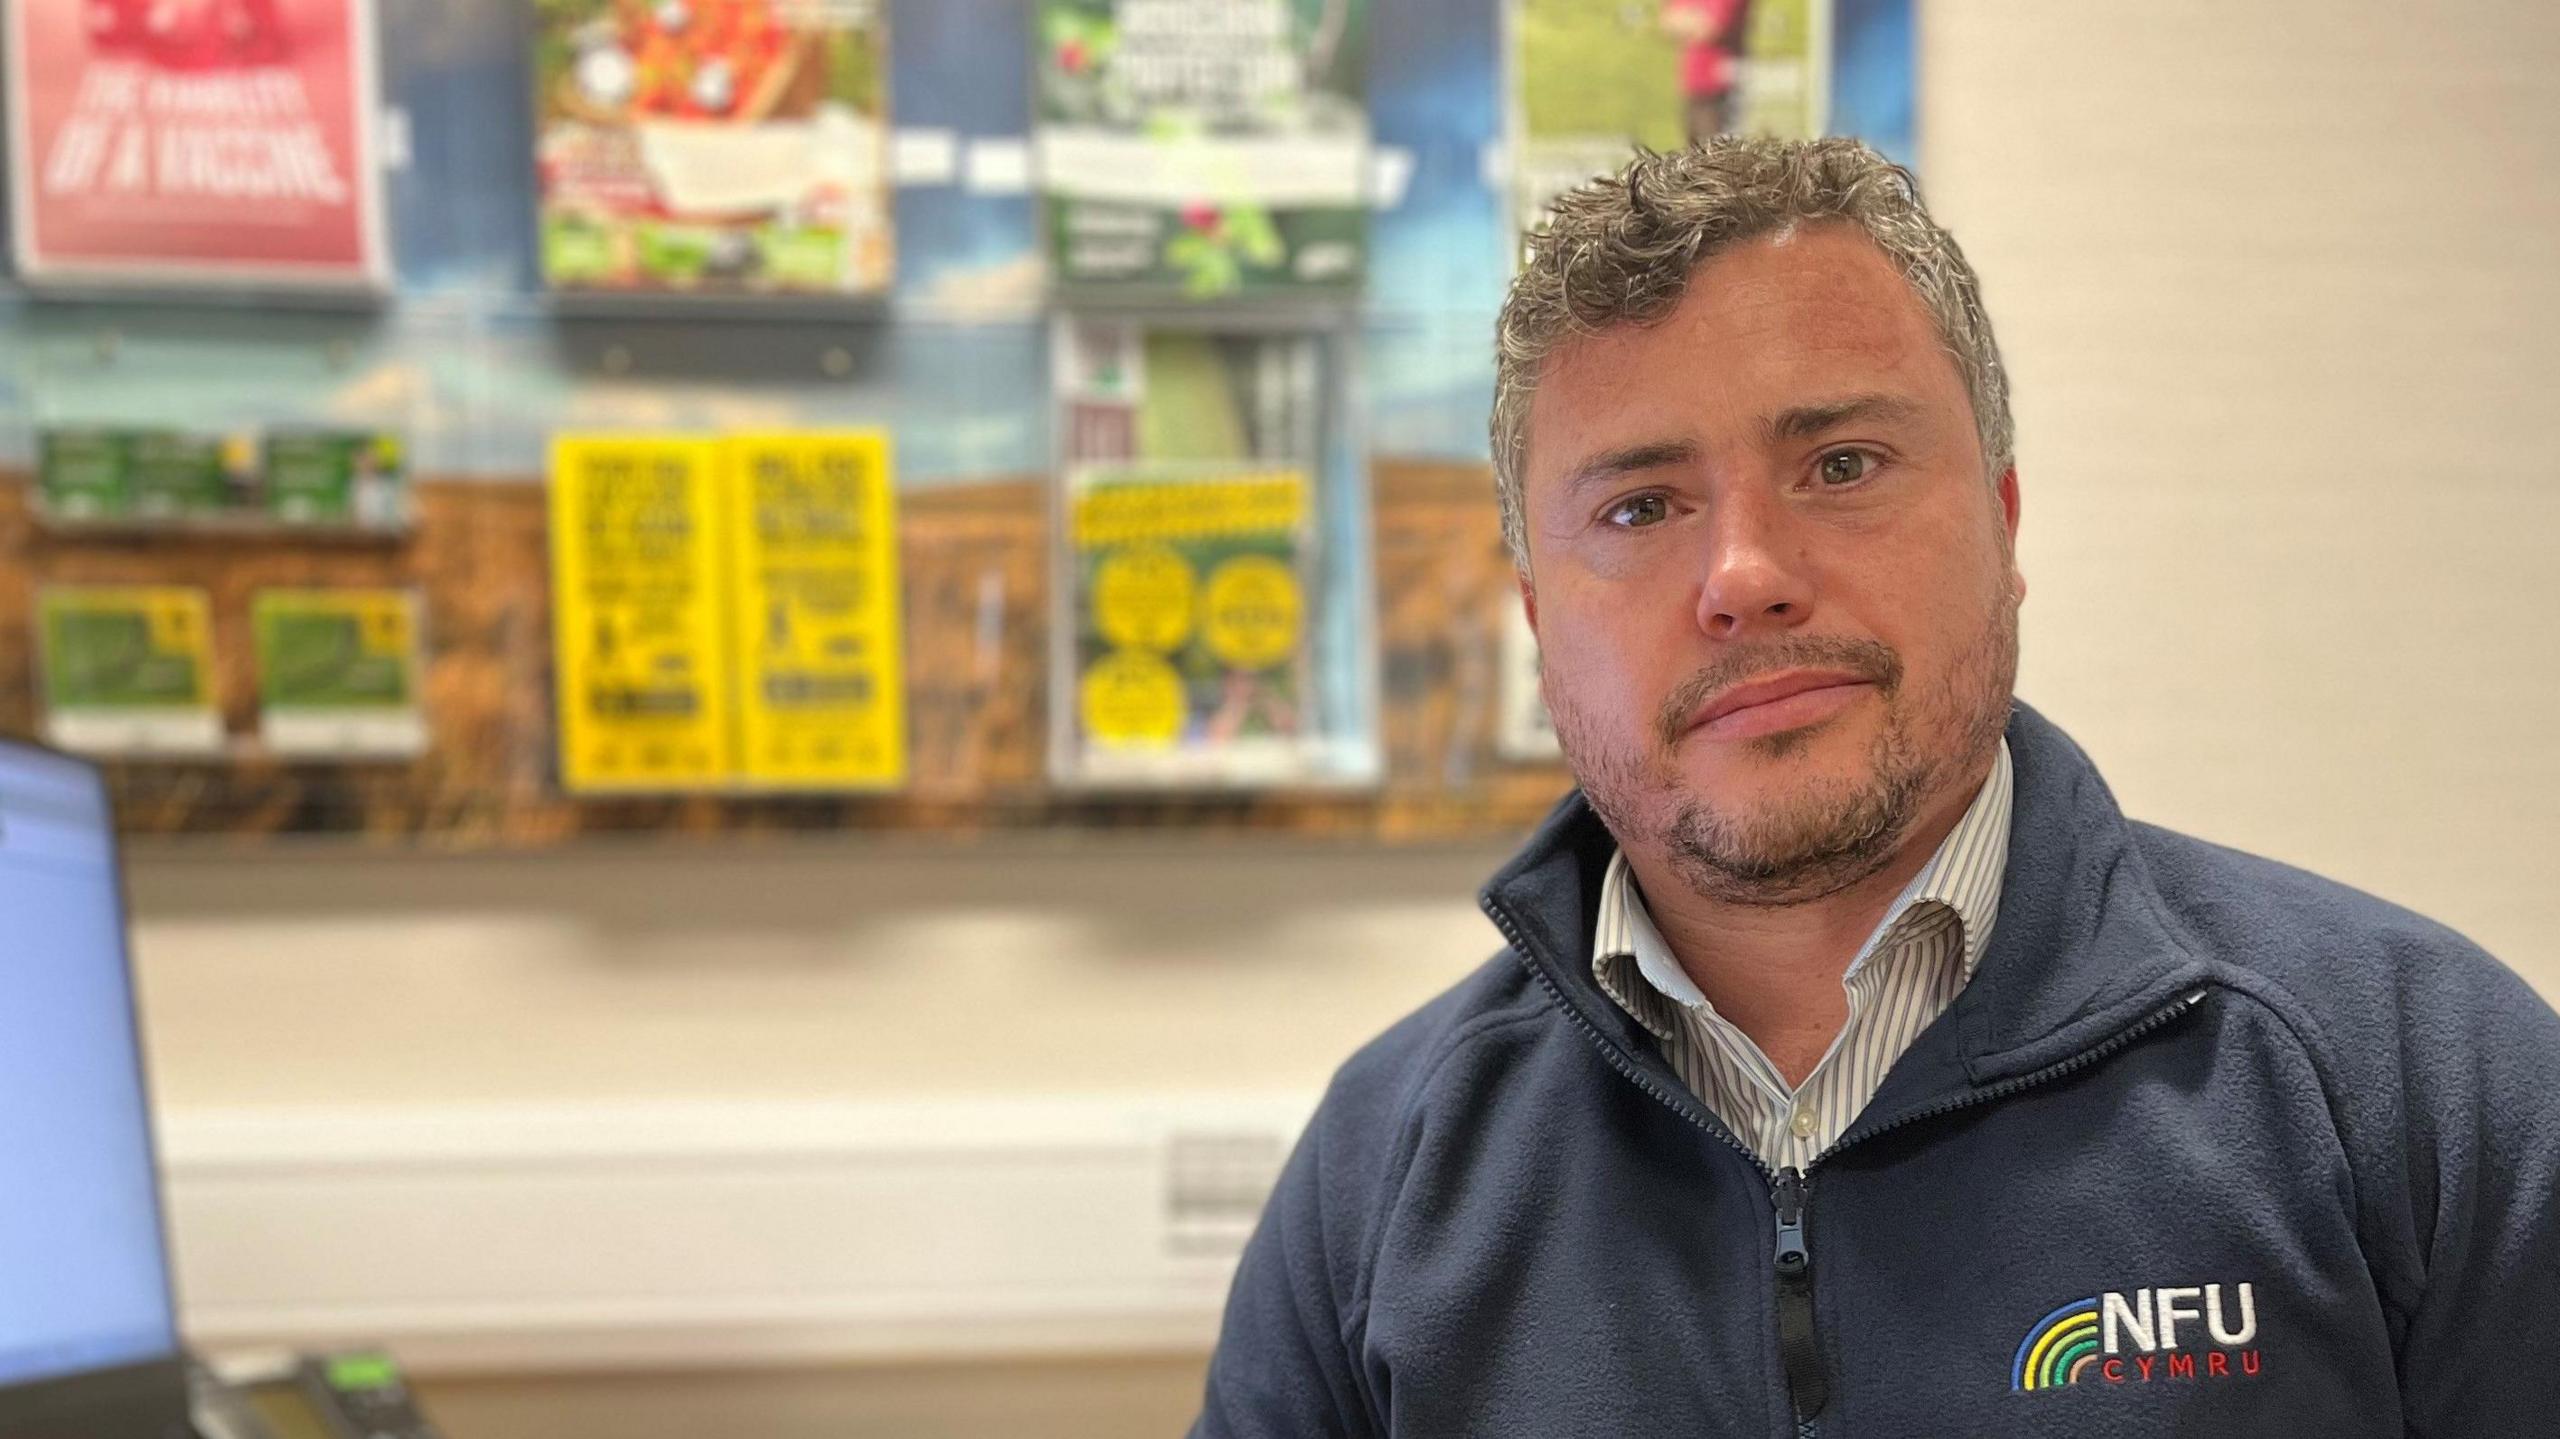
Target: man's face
1774	592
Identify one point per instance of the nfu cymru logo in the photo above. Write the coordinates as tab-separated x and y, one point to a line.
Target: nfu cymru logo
2139	1337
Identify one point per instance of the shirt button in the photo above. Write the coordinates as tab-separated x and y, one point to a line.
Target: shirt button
1803	1123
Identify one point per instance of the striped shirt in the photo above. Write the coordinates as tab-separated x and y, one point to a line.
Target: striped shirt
1905	976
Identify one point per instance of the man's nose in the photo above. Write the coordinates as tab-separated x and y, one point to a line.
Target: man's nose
1753	578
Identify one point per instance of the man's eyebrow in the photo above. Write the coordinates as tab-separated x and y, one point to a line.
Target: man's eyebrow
1631	459
1803	422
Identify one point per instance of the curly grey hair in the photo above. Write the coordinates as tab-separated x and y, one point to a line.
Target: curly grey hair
1620	250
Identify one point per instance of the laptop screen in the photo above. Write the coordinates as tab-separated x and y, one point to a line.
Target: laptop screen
87	1281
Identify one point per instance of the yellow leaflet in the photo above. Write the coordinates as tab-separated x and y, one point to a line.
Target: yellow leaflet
637	593
818	624
91	660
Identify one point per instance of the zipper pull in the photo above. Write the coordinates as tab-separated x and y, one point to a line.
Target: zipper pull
1798	1348
1793	1258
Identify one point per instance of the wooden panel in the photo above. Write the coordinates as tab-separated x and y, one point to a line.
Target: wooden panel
1103	1398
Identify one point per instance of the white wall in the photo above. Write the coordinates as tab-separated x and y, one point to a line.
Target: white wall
2278	286
855	970
680	1105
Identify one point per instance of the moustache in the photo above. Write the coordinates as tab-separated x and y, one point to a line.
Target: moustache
1869	660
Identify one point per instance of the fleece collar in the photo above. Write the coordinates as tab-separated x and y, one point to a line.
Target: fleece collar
2081	951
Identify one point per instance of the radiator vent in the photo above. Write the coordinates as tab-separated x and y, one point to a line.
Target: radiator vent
1215	1185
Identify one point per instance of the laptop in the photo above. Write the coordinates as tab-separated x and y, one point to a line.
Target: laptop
88	1327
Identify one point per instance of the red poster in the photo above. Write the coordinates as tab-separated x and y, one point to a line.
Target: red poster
156	141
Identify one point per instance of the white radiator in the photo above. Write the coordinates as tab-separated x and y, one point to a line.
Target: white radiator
500	1238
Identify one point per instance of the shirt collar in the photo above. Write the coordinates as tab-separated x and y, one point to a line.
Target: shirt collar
1964	876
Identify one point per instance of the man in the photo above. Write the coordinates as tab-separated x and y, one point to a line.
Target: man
1856	1067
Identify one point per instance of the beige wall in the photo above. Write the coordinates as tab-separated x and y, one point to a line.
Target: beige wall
1113	1398
849	970
2277	285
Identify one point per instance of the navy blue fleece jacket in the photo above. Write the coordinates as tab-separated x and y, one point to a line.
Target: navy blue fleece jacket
2209	1146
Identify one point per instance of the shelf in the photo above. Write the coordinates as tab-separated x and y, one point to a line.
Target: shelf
226	529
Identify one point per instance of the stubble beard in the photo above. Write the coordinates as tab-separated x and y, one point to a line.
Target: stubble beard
1830	833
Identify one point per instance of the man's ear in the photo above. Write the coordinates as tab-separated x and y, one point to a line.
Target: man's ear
2009	519
1528	602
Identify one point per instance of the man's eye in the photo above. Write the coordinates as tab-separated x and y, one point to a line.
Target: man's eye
1846	467
1641	511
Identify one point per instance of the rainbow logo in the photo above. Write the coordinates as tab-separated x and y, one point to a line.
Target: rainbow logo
2060	1348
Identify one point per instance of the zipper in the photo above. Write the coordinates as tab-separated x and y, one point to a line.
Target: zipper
1798	1348
1790	1190
1801	1354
